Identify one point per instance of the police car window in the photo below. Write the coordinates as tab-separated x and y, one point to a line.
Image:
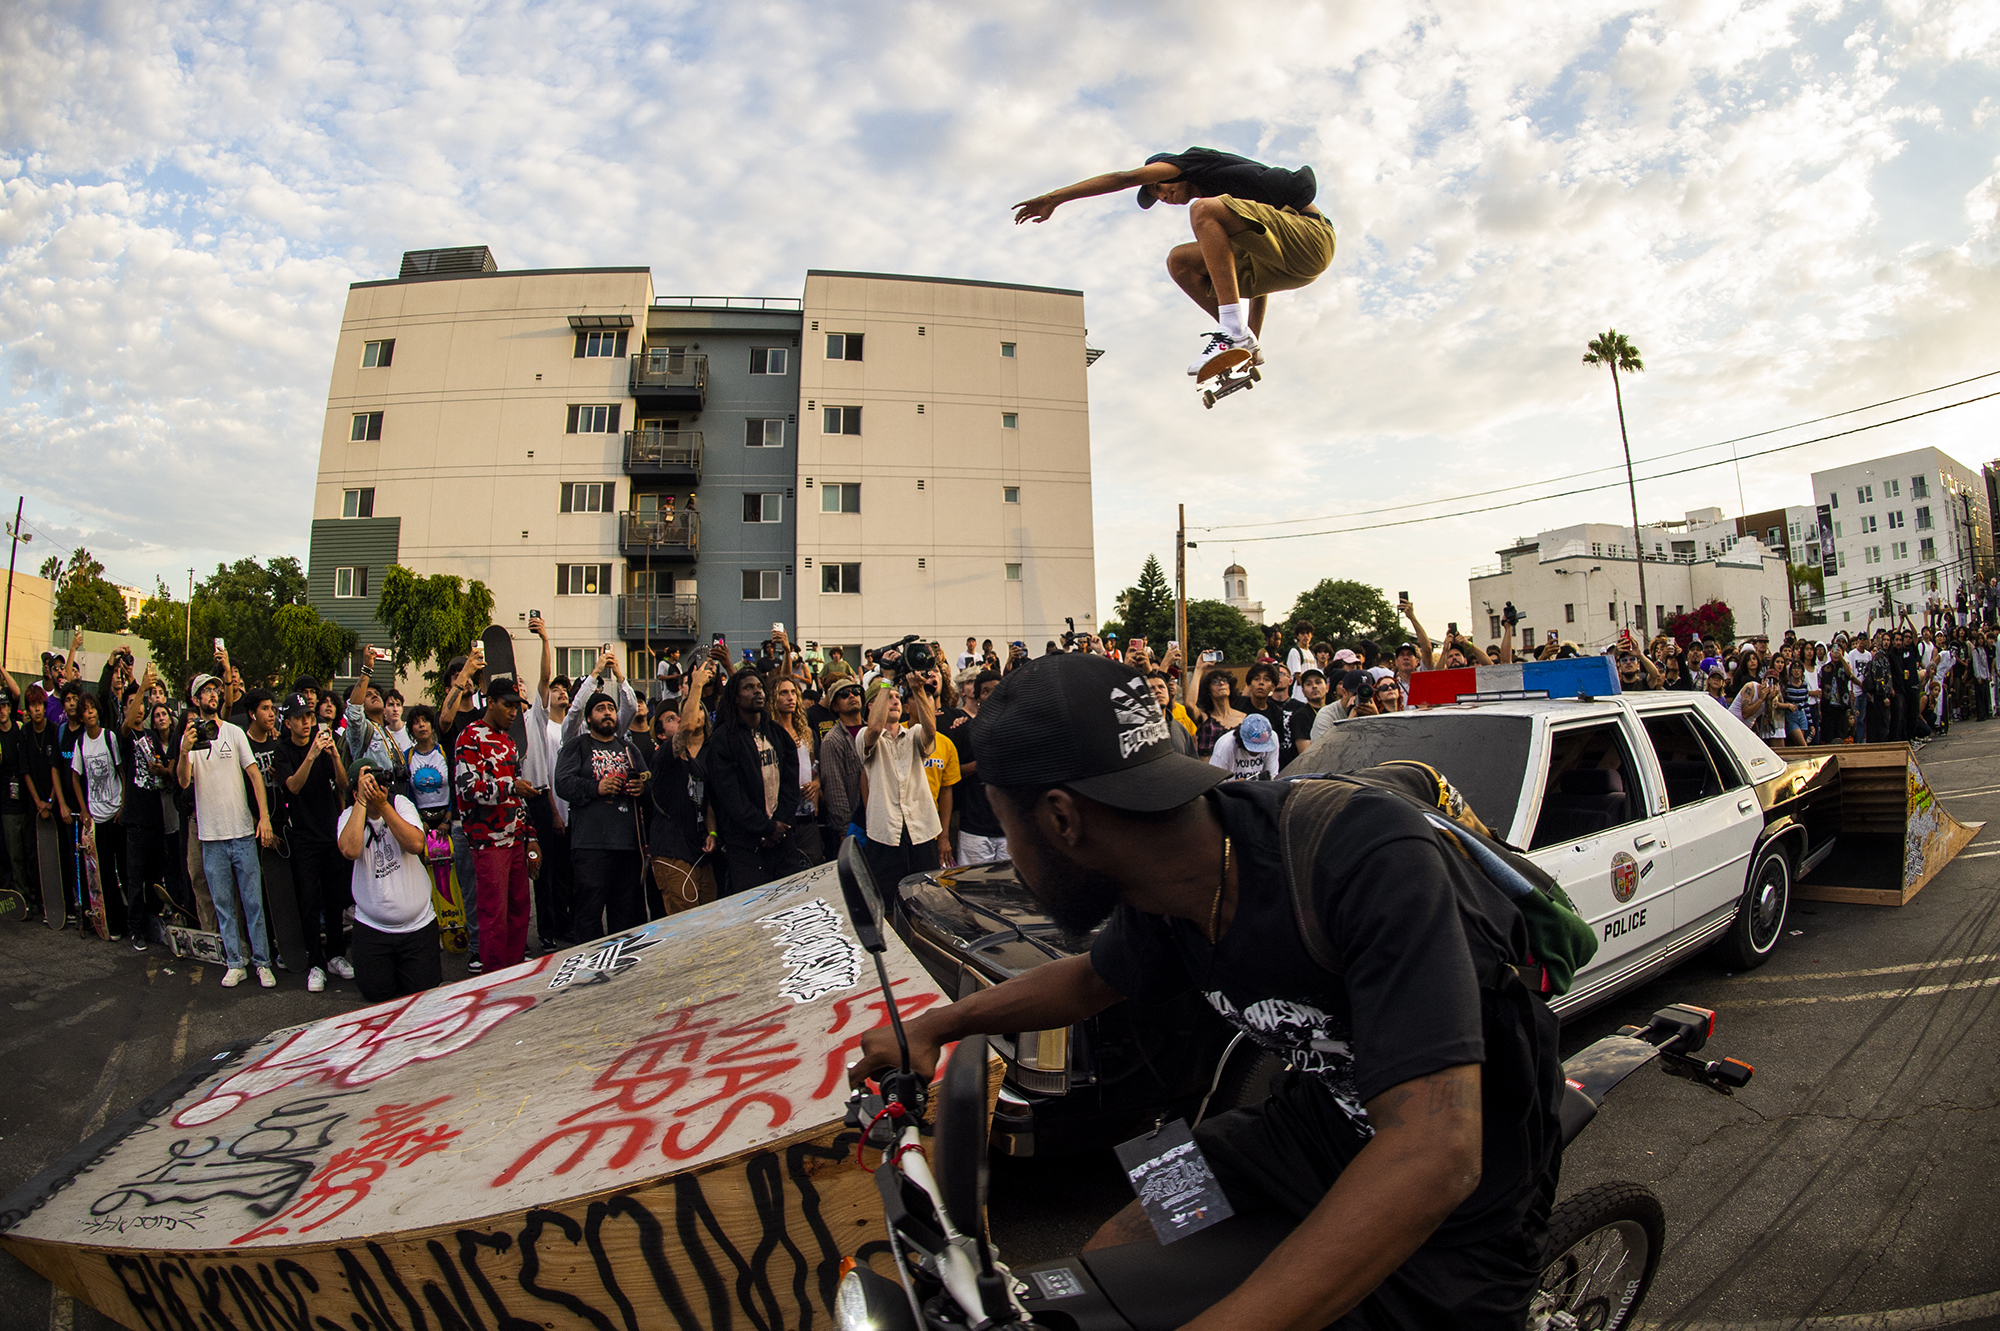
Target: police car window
1484	755
1685	759
1589	786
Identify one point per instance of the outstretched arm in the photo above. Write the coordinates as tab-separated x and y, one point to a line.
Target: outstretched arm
1039	208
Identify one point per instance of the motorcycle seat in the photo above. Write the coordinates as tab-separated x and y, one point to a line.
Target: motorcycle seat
1160	1289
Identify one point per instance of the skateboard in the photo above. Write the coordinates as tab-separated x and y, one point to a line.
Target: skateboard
281	909
499	649
1228	381
13	906
92	888
48	856
196	945
445	900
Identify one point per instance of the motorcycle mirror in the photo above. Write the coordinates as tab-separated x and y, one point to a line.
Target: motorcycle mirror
864	903
962	1134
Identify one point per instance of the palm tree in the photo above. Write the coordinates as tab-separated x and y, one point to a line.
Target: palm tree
1616	350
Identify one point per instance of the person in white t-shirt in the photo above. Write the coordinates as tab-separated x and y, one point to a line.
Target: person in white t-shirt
95	760
228	833
394	947
1249	752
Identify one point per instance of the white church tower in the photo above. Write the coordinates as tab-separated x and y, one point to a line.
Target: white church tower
1236	592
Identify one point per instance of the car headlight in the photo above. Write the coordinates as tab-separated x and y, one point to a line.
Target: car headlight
866	1301
1041	1061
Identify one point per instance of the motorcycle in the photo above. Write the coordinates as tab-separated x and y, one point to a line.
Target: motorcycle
1604	1243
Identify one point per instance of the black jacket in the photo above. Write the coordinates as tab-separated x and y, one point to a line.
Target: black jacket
736	781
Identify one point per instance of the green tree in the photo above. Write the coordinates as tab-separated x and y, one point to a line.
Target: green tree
1219	626
1343	612
259	610
83	596
1616	350
431	620
1146	609
313	646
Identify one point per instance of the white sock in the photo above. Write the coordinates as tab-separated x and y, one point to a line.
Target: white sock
1232	319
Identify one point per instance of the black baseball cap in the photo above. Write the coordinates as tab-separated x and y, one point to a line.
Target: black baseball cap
1090	724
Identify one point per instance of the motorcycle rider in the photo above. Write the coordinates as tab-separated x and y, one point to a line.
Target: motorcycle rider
1416	1141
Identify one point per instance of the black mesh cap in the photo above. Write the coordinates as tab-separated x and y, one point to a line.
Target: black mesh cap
1091	724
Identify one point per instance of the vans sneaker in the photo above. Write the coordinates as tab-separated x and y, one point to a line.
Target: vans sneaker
315	981
265	978
234	976
1221	352
342	967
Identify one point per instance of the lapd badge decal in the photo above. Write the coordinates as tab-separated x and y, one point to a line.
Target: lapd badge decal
1624	876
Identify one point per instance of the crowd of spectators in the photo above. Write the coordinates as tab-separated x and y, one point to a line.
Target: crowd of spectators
576	808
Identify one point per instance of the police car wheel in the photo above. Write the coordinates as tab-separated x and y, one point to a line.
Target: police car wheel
1760	915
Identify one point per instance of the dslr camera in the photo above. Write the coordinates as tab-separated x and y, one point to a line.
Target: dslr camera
910	656
205	732
1509	615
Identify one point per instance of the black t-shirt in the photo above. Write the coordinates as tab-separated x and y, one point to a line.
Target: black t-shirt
975	811
821	720
1298	729
676	793
38	758
265	751
13	759
643	741
140	806
312	816
1414	930
1209	172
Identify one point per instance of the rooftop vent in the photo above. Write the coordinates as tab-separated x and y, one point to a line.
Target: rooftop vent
447	263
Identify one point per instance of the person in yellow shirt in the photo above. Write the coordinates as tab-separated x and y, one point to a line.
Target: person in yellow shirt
941	770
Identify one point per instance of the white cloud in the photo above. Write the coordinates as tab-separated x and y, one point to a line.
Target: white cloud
186	189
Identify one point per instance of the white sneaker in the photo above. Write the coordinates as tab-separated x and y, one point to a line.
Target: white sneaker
342	967
265	978
315	981
234	976
1218	345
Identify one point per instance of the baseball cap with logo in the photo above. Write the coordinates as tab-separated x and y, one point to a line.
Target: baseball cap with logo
1256	735
297	705
1089	724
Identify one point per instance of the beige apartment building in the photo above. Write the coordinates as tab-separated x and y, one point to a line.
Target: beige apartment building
886	455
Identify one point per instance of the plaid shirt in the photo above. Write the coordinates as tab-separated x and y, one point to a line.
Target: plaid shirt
487	765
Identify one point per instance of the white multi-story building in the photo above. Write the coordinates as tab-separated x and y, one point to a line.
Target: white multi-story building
1901	527
1580	584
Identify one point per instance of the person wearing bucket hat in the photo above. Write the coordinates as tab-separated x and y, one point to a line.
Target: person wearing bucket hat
1425	1075
1249	752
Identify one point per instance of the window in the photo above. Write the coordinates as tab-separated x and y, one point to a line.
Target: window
762	507
367	425
1836	530
1871	554
1833	499
767	360
1010	494
375	355
1569	613
840	579
1927	548
1592	785
841	420
1611	611
840	497
1007	350
589	497
1775	537
1924	518
843	346
1660	615
350	582
1891	489
1864	494
358	503
593	420
599	344
762	584
1013	572
1920	487
1009	421
1693	762
583	579
764	432
1867	523
575	662
1895	518
1899	550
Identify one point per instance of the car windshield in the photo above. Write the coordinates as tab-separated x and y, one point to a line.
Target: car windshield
1485	756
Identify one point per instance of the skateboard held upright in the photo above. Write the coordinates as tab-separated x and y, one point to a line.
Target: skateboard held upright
48	855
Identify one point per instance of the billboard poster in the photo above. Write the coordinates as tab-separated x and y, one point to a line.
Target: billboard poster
1829	564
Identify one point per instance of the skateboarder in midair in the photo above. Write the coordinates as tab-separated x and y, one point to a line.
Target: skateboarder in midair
1256	231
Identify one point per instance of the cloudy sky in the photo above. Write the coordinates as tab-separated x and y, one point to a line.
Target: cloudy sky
1792	208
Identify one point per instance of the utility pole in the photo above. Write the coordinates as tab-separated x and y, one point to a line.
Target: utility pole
1180	588
7	615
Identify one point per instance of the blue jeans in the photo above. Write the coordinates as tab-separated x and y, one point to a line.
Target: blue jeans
235	861
468	884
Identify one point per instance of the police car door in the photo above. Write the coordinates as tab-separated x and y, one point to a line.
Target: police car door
1596	832
1712	815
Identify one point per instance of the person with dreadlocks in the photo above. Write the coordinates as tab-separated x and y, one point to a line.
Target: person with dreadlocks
753	784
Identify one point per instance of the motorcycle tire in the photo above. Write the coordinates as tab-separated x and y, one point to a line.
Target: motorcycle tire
1760	913
1604	1248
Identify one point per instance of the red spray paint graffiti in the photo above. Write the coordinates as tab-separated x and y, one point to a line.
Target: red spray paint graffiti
368	1045
395	1138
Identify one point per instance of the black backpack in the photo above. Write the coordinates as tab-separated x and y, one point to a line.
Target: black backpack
1561	942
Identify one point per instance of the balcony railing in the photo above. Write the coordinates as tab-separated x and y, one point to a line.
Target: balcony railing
728	303
659	536
658	616
663	452
679	376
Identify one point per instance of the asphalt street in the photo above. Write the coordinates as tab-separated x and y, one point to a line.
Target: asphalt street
1854	1184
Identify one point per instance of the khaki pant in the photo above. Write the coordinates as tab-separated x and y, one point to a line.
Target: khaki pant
683	886
1284	249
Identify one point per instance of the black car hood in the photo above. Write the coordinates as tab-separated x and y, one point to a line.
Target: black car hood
985	913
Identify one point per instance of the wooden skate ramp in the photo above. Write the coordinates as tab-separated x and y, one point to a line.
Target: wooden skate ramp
641	1132
1894	834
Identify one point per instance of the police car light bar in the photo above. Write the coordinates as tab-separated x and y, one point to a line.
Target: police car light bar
1570	677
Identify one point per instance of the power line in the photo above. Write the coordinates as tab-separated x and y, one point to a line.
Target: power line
1611	485
1595	471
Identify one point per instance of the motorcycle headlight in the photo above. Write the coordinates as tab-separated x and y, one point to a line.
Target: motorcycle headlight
866	1301
850	1305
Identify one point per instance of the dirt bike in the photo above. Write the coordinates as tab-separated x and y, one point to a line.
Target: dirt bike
1603	1246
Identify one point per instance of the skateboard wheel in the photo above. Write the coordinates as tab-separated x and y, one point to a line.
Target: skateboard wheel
1255	374
1208	400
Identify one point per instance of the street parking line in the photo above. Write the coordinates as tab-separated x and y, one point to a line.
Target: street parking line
1979	960
1981	790
1977	855
1954	1312
1919	991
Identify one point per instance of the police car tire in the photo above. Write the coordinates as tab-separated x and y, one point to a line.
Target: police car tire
1753	935
1635	1219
